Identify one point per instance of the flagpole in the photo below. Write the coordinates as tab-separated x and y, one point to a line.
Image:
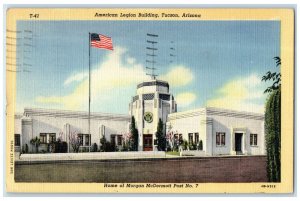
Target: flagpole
89	118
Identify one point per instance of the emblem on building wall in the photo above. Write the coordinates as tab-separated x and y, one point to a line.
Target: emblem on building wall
148	117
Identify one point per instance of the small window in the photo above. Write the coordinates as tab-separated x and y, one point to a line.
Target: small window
196	138
220	139
119	140
87	140
253	139
80	137
43	138
113	139
52	137
190	138
17	140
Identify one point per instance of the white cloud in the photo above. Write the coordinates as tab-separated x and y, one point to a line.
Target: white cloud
240	94
131	60
78	77
110	81
107	77
178	76
185	99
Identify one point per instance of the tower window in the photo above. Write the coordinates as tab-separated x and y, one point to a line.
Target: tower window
148	96
164	96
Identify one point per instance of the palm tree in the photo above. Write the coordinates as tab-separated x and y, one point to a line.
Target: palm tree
36	142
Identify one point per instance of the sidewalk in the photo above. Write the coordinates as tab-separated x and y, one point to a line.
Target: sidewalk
113	156
90	156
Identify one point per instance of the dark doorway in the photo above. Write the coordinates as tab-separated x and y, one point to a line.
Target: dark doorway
238	143
148	144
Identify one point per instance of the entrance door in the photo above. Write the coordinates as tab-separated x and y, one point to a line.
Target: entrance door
238	143
148	143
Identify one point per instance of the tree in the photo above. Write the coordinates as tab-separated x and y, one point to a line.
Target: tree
134	134
172	141
273	138
106	146
127	142
161	140
273	124
75	141
103	143
36	142
276	77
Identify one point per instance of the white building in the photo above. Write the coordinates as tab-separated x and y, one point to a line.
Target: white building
48	125
220	132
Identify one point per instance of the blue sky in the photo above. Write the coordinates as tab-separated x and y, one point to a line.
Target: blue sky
217	63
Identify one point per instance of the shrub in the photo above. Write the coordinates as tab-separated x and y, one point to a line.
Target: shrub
201	145
192	146
175	148
94	147
185	145
58	147
125	146
64	147
36	143
25	149
106	146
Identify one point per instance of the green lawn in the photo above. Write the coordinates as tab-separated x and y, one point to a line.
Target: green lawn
175	153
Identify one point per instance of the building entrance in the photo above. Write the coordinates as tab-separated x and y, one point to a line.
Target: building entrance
238	143
147	143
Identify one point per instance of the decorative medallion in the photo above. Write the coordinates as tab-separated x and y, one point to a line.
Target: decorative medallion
148	117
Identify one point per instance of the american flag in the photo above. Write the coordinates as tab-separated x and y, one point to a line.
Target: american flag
101	41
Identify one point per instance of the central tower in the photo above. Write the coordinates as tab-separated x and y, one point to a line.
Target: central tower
151	103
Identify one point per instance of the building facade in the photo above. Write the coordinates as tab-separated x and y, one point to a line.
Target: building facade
49	125
220	131
213	131
151	103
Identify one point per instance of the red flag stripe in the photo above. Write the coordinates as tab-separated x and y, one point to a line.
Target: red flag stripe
104	42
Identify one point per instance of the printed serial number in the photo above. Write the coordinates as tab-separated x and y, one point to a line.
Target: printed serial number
268	186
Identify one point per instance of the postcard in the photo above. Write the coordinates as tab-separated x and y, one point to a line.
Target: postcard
143	100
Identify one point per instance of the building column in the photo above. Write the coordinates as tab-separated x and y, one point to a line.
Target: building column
232	146
244	144
208	123
67	135
27	133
